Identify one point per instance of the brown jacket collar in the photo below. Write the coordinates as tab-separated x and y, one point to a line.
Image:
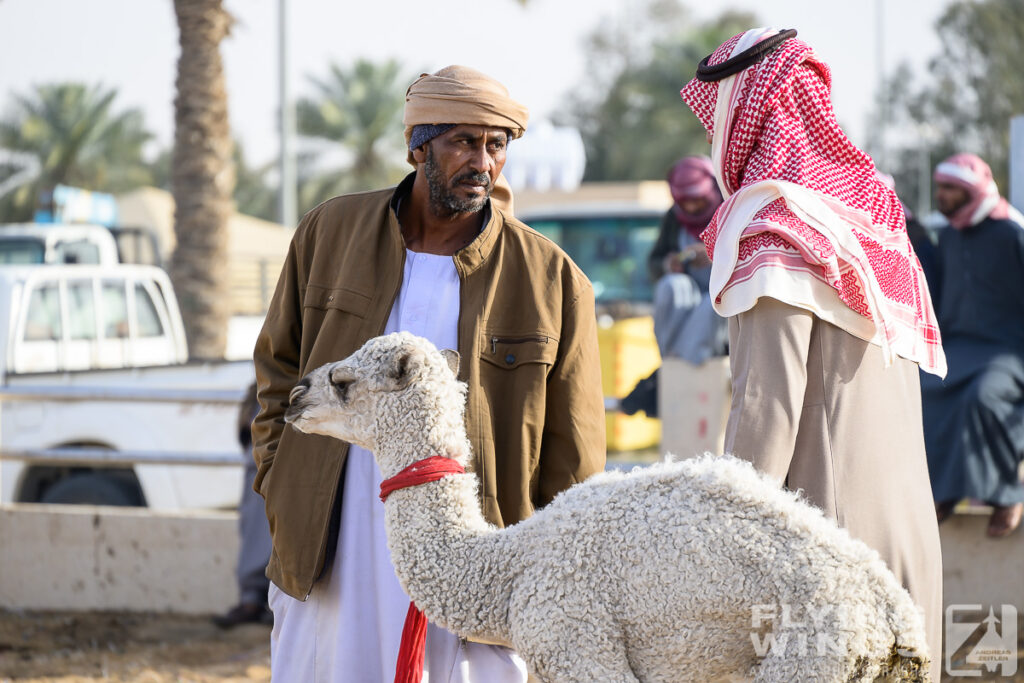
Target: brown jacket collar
471	256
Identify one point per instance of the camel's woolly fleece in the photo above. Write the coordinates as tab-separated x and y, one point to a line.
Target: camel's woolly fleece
685	571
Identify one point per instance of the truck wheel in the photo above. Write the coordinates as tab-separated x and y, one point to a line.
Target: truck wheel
90	488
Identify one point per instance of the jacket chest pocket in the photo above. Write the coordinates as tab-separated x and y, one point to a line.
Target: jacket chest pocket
509	352
333	319
336	298
511	402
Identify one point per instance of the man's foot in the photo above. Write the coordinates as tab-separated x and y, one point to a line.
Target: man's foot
245	613
944	510
1004	519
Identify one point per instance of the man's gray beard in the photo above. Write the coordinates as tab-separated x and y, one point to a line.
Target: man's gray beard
444	203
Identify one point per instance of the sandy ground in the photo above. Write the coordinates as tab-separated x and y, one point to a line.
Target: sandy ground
143	648
148	648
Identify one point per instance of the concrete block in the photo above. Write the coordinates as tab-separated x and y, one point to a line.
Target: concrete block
977	569
693	404
65	557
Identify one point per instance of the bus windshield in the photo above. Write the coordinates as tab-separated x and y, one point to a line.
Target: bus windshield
611	250
22	251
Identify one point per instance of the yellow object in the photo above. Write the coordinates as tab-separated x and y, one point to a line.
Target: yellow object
629	353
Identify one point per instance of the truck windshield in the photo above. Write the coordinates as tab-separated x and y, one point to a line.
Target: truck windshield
77	251
611	250
22	251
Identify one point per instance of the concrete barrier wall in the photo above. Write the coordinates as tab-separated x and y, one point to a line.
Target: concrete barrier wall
98	558
89	558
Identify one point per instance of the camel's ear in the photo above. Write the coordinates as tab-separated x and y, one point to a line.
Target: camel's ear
403	366
453	360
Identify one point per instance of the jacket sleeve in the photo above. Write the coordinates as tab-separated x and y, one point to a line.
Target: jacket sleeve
573	443
277	359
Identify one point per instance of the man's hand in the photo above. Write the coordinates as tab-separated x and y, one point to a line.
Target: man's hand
672	263
698	256
693	256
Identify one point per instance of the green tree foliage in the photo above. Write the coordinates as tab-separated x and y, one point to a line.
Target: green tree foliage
254	194
356	116
633	122
79	139
974	87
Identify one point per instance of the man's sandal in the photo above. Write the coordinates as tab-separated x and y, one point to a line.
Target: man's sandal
944	510
1004	519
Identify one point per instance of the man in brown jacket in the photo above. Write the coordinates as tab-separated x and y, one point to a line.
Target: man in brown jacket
441	257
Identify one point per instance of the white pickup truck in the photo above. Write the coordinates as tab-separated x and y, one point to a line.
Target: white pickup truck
114	326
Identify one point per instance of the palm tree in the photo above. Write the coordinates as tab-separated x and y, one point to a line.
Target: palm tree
77	138
202	177
361	109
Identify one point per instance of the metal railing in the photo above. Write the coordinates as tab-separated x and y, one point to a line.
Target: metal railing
43	392
101	457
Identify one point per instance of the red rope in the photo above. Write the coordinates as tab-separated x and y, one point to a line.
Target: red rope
420	472
409	667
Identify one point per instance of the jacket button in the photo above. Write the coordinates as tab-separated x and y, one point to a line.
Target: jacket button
330	298
510	359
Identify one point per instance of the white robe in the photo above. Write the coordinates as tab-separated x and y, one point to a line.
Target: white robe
349	628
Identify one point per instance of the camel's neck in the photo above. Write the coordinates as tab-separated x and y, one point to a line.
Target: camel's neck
448	558
415	430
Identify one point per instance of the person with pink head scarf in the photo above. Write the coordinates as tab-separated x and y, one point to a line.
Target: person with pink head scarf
696	197
685	323
974	420
829	312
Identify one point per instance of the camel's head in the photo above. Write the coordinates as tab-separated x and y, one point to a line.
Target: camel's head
394	384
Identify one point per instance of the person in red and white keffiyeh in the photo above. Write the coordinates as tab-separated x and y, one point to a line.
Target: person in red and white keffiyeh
967	193
829	312
974	420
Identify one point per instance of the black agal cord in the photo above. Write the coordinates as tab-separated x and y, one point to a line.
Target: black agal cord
735	64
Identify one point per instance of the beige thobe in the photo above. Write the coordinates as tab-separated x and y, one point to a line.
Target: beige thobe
814	407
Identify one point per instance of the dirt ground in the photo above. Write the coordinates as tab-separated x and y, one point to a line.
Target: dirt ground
148	648
142	648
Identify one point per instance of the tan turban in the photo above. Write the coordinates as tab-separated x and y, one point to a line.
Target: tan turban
458	94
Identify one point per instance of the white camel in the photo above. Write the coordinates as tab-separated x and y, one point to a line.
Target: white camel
684	571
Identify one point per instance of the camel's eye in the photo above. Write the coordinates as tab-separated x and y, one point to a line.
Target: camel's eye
341	388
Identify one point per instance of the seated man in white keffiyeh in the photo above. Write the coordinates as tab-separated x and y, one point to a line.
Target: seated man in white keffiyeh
974	419
829	313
